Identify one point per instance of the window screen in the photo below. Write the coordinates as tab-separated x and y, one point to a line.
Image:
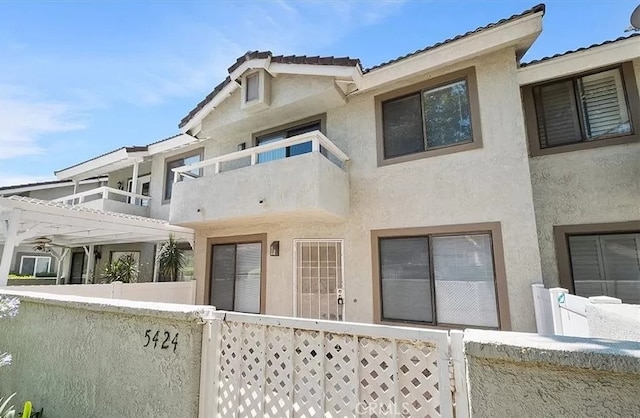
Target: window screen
606	265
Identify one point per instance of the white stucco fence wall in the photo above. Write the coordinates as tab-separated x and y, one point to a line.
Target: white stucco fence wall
523	375
164	292
98	362
620	322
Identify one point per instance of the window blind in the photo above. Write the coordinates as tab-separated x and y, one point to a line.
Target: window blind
606	265
406	288
464	280
247	275
603	104
557	114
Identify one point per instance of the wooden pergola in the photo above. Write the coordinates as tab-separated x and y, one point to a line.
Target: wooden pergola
66	227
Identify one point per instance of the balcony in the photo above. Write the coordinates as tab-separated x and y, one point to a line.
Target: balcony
302	177
109	200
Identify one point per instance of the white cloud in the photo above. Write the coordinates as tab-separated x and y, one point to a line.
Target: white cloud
23	121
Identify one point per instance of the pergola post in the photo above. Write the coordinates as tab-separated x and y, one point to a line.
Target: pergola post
90	263
10	242
134	181
61	261
156	262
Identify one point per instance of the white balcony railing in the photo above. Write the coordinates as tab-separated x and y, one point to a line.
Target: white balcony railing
319	143
104	193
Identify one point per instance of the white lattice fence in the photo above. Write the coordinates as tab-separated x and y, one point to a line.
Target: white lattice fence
284	367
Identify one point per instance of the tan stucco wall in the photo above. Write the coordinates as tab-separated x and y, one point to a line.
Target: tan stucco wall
599	185
528	375
95	363
491	184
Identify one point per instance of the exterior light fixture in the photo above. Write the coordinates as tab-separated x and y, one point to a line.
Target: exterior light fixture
274	249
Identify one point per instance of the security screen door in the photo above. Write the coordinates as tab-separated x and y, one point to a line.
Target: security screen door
319	279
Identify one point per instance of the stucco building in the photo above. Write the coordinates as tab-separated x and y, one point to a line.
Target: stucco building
431	190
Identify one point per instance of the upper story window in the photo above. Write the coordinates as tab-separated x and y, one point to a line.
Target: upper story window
179	161
256	90
580	112
434	118
253	83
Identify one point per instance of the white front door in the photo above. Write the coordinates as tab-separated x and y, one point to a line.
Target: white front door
319	279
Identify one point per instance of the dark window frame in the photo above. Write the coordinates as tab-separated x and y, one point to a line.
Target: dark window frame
499	271
167	171
630	89
562	233
239	239
468	75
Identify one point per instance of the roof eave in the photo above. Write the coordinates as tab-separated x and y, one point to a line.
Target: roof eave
103	164
339	72
518	34
580	61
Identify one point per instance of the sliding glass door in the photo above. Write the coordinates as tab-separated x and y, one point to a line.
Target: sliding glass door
287	151
236	277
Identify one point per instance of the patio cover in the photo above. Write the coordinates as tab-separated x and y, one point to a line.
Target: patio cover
23	218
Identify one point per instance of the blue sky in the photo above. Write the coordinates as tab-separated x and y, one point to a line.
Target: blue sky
79	78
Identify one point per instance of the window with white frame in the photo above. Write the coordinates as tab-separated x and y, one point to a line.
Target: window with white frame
34	265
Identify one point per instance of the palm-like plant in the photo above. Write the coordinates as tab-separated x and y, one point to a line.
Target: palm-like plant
124	269
171	258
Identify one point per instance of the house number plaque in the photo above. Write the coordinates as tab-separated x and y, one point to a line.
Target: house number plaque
161	340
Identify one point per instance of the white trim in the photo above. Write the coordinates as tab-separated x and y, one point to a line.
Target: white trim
35	264
54	184
102	165
520	33
577	62
180	141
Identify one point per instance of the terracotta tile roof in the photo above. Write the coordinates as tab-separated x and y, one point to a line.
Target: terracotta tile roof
345	61
573	51
540	8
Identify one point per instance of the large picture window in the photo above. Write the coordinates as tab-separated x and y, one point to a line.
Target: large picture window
446	279
439	115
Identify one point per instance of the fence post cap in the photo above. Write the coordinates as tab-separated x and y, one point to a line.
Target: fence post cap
598	300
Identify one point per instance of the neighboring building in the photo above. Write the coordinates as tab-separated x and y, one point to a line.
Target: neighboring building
27	261
426	190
